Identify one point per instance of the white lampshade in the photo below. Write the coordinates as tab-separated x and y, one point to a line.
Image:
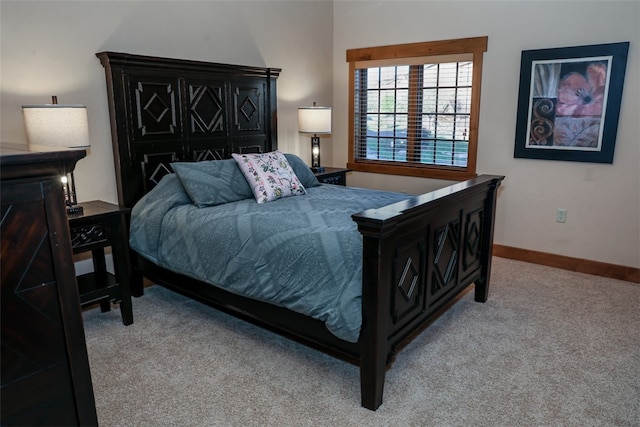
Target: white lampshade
314	120
55	127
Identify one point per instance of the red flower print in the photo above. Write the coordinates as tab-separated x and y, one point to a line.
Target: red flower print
582	94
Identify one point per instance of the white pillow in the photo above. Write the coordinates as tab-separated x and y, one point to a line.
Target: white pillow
269	175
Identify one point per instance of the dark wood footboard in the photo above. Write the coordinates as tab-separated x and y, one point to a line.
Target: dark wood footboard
417	256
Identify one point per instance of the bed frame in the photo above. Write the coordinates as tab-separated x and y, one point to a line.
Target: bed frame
418	255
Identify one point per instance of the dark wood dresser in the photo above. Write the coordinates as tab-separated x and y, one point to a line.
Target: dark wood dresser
45	369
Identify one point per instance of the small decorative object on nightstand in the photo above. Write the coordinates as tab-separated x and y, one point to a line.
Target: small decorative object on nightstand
100	225
336	176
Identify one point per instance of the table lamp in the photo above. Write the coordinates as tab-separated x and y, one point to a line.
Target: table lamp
315	120
57	127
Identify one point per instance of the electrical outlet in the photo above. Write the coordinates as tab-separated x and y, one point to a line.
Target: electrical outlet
561	215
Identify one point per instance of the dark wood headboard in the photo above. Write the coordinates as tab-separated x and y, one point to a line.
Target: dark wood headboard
164	110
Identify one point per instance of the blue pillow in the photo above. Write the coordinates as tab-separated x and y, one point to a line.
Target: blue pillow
213	182
303	172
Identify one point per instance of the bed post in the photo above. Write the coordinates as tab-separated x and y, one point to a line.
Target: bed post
137	278
486	253
376	276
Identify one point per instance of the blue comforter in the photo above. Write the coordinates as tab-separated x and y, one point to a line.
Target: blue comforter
303	253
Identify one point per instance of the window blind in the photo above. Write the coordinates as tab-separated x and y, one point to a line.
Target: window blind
414	113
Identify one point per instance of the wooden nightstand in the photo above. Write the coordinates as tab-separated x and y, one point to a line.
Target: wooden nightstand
336	176
99	226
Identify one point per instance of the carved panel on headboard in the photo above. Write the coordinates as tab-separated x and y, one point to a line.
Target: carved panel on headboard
187	110
154	109
247	108
156	166
208	154
207	108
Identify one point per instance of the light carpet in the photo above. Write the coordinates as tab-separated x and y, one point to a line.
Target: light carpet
549	348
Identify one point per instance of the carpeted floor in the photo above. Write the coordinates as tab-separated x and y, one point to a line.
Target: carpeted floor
549	348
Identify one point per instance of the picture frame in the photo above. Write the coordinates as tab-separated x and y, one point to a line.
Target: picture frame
569	102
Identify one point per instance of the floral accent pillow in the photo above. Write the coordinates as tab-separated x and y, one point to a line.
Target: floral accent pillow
269	175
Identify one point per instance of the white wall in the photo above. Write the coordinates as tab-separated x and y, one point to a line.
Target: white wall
602	201
48	48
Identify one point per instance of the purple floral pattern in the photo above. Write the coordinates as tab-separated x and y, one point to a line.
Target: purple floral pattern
269	175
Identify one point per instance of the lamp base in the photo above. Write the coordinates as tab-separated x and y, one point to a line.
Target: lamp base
315	153
75	210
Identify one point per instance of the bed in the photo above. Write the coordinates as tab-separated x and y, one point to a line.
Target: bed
415	255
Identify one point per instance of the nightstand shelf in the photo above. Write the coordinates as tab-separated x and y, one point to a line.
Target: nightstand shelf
103	225
92	290
329	175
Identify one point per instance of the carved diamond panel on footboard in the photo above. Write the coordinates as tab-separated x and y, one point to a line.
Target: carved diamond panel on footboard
472	242
408	299
446	255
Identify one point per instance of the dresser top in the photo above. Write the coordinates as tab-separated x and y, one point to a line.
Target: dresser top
23	164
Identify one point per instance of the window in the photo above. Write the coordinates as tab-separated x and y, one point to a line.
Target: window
414	108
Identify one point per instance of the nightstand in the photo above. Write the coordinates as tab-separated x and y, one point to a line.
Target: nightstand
102	225
336	176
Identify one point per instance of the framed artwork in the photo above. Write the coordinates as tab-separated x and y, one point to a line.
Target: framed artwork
569	102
